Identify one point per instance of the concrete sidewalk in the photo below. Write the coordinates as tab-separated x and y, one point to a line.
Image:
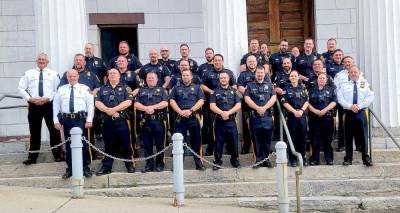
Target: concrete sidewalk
21	199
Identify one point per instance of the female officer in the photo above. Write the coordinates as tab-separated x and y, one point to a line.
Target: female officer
295	100
322	106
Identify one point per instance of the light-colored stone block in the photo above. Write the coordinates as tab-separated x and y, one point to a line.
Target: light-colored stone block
196	35
93	36
20	38
156	20
195	6
26	53
347	31
196	50
326	31
149	36
140	6
13	116
26	22
8	23
353	15
16	129
114	6
188	20
342	4
333	16
346	45
1	70
17	7
8	54
325	4
9	85
175	36
174	6
91	6
16	69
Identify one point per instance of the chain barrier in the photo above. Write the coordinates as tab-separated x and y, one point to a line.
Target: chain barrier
127	160
222	167
43	150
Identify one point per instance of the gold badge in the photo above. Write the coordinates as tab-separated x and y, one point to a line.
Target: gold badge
120	89
88	73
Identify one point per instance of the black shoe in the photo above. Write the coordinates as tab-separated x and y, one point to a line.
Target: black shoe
305	163
314	163
130	169
368	163
257	166
59	159
340	149
159	168
235	164
268	164
347	163
148	168
103	171
329	163
201	168
215	168
29	162
67	174
87	172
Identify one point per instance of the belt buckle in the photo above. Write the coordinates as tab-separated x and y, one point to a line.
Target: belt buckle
153	117
72	115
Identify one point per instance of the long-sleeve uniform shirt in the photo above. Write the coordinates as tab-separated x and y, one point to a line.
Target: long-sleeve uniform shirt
29	83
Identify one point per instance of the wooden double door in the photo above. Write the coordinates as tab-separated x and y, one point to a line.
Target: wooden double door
270	20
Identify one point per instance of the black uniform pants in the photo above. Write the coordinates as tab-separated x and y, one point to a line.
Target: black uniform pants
247	136
341	130
36	114
183	125
207	129
154	132
298	131
356	127
322	133
262	137
225	131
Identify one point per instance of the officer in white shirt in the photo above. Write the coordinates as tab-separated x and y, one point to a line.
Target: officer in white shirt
73	106
355	96
38	87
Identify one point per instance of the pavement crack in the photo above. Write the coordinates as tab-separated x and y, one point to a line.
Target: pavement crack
62	205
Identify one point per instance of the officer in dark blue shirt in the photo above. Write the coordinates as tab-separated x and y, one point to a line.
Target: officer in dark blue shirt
334	67
225	103
260	97
209	83
176	79
331	47
163	74
184	50
95	64
318	68
305	60
322	105
276	59
295	100
165	60
133	62
254	47
186	100
152	102
203	68
113	99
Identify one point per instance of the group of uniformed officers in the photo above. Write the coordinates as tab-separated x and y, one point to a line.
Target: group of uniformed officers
180	96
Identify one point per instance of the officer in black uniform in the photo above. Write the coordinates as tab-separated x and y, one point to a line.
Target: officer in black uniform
295	100
209	83
276	59
208	65
95	64
254	47
335	66
322	105
152	102
176	79
133	62
305	60
265	53
163	74
225	103
165	60
184	50
186	100
260	97
113	99
331	47
318	68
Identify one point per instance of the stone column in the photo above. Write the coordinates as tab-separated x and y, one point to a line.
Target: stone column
61	31
379	45
225	30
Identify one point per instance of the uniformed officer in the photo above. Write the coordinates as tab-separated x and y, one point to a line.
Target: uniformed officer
322	105
318	68
295	54
133	62
355	96
225	103
295	100
208	65
335	66
38	86
260	97
186	100
209	83
276	59
113	99
152	102
331	47
265	52
254	47
305	60
176	79
165	60
184	50
163	74
95	64
73	107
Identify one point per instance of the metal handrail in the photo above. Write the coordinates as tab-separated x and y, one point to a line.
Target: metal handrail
11	96
383	126
299	169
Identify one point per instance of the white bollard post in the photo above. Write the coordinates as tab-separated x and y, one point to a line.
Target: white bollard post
77	166
179	187
282	176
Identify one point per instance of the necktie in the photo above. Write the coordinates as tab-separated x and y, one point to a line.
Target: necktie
355	94
71	100
41	83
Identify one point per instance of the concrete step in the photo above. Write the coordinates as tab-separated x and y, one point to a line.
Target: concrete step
332	204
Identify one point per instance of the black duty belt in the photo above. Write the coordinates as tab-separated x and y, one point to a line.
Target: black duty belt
231	117
254	114
122	116
155	116
78	115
